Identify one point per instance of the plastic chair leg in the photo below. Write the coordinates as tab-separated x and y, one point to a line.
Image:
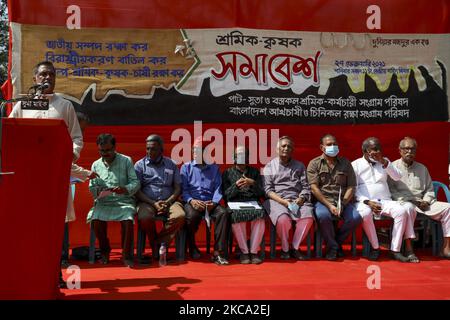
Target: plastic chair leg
354	243
208	240
180	244
92	245
263	249
318	242
273	240
140	248
308	244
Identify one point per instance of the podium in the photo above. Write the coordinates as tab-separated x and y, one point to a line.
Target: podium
33	203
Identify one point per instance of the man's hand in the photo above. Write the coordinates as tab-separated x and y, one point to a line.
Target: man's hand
198	205
423	205
93	175
334	210
119	190
285	203
375	206
299	201
161	207
244	182
210	205
378	156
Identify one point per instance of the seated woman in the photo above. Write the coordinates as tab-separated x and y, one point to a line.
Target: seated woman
242	183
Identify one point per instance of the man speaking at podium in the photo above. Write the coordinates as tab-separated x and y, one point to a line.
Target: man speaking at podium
44	78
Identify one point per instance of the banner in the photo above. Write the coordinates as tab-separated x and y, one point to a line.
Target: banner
240	75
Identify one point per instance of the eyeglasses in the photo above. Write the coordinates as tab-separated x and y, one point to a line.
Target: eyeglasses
410	149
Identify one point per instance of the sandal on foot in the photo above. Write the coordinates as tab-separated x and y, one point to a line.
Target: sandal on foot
412	257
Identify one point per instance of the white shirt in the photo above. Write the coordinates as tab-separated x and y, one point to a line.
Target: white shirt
371	179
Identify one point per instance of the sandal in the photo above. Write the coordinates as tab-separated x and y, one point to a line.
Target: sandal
412	258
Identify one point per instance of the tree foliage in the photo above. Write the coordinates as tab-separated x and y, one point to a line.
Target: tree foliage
4	41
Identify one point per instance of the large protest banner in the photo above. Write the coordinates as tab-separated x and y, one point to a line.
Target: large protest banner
303	68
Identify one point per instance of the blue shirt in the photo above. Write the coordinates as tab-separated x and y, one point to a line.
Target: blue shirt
201	182
157	179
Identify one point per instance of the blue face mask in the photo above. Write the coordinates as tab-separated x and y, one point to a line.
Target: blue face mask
240	158
331	151
293	207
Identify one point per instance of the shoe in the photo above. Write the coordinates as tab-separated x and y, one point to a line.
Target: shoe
284	255
194	253
255	259
398	256
296	254
331	255
221	261
245	259
412	257
128	263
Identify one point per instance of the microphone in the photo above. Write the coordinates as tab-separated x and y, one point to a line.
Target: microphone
40	87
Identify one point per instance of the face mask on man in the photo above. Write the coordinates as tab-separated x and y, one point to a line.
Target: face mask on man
332	151
294	208
240	158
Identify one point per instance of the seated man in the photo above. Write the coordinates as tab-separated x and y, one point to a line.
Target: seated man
113	192
415	191
373	197
201	185
333	183
160	188
242	183
289	194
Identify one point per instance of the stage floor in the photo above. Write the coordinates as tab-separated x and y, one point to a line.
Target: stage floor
272	280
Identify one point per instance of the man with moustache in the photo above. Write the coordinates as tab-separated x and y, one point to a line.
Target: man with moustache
415	191
113	192
160	188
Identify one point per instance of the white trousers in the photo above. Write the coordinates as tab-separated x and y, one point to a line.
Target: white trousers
439	211
391	209
284	225
256	233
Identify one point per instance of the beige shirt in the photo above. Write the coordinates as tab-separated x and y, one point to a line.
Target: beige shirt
415	184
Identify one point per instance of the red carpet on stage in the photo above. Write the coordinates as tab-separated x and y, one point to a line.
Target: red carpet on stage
273	280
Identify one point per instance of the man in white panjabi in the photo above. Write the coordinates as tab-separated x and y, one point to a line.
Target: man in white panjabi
415	191
373	197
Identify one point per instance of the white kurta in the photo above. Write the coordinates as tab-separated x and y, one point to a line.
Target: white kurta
416	185
59	108
372	185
